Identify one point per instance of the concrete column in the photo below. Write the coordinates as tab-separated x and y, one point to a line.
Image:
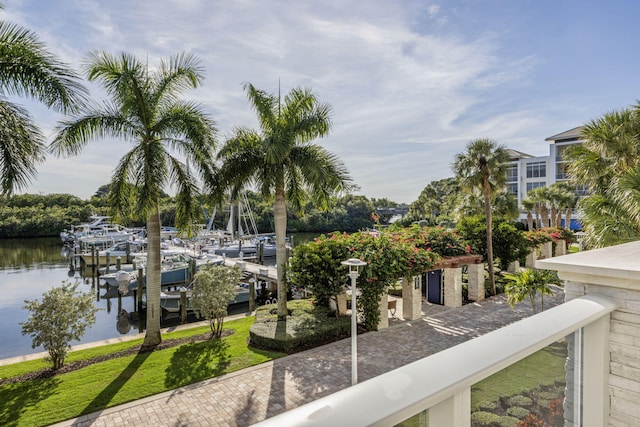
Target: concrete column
476	282
561	247
412	298
342	304
530	261
513	267
384	312
608	347
546	250
453	287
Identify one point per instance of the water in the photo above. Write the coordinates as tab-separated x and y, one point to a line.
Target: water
30	267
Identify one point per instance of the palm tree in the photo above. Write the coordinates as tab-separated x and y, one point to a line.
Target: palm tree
540	196
529	205
483	166
282	161
145	110
28	69
605	163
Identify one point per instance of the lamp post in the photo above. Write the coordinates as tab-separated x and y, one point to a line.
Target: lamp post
354	264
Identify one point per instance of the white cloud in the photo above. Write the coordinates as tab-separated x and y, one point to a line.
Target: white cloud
404	97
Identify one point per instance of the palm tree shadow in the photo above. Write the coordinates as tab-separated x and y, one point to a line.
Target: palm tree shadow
108	393
276	403
196	362
16	397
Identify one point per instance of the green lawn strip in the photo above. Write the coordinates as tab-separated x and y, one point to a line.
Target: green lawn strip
20	368
110	383
541	368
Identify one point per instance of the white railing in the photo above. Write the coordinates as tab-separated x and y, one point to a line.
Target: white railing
442	382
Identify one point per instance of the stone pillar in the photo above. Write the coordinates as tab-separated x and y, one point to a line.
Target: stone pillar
342	304
476	282
513	267
611	380
561	247
546	250
412	298
384	312
453	287
530	261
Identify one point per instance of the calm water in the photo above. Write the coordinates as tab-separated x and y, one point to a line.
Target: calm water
30	267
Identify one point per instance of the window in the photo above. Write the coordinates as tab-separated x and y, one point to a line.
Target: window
512	173
532	185
512	188
536	170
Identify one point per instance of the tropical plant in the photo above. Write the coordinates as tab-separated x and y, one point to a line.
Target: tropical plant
529	206
510	243
607	164
28	69
145	109
281	160
316	266
62	316
528	283
483	165
213	288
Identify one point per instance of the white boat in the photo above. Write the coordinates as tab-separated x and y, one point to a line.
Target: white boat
170	300
100	230
174	273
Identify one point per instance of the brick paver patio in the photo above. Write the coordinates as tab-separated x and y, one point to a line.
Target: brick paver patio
254	394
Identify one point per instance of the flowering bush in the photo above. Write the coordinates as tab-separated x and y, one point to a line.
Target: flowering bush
557	233
537	237
389	257
437	239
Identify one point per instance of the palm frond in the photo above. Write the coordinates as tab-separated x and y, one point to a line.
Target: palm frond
21	147
29	69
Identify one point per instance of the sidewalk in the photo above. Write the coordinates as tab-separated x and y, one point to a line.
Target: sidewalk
254	394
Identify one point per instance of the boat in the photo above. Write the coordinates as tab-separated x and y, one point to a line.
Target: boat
99	231
124	250
170	300
175	272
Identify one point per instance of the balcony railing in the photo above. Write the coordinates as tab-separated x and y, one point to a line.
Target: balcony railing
442	382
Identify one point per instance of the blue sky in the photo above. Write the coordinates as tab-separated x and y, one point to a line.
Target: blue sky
410	82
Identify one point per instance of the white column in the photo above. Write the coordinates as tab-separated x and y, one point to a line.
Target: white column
453	287
412	298
452	412
384	312
476	281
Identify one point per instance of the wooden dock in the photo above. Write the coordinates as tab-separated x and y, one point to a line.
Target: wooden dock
260	272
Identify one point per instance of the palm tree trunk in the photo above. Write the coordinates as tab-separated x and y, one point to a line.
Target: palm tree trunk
486	191
567	221
529	221
152	336
280	219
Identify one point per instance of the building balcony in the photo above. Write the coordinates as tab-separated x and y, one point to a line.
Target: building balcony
595	333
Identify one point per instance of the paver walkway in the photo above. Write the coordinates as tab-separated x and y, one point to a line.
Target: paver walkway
254	394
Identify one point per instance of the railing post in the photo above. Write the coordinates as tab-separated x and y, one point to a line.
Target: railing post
595	373
452	412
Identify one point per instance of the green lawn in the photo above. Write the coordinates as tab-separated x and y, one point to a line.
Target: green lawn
110	383
541	368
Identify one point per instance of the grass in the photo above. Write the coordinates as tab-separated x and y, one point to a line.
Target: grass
113	382
539	369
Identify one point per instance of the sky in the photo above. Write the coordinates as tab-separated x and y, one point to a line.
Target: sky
410	82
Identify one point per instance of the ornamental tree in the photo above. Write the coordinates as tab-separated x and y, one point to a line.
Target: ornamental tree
63	315
316	266
212	290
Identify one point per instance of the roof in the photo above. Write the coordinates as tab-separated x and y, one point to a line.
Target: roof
515	154
575	133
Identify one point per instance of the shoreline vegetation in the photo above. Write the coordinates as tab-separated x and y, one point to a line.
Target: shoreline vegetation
37	215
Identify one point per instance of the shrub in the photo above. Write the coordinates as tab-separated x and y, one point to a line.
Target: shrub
62	316
484	419
307	326
519	400
518	412
508	421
